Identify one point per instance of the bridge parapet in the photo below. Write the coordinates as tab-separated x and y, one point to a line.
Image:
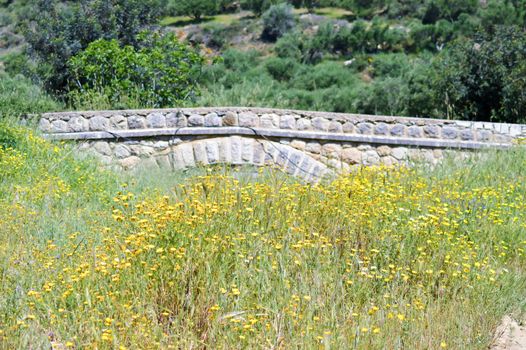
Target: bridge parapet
308	144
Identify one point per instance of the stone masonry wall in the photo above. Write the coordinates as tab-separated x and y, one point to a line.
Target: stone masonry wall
306	144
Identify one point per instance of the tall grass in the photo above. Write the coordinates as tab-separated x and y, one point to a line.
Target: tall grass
382	258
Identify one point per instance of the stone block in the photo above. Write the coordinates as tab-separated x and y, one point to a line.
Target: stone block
99	123
399	153
297	144
432	131
130	162
259	154
78	124
381	129
320	124
384	151
484	135
293	164
352	156
212	151
118	122
161	145
467	135
236	149
247	150
388	161
155	120
365	128
230	119
371	157
213	120
122	151
348	127
136	122
313	147
397	130
186	150
225	152
141	150
335	127
176	120
449	133
196	120
102	147
269	121
331	150
175	159
303	124
200	153
248	119
59	126
44	125
287	122
414	131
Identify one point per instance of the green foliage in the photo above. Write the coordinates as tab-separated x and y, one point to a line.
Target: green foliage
282	69
322	76
163	72
483	78
56	31
19	97
277	21
193	8
257	6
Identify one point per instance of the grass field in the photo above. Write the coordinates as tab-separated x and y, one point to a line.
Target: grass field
230	18
382	258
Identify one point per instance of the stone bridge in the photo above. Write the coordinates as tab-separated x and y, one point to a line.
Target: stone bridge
304	144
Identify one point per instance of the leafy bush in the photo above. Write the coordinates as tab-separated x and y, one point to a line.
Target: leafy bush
240	61
281	68
290	46
277	20
162	73
321	76
56	31
483	78
257	6
391	65
19	97
193	8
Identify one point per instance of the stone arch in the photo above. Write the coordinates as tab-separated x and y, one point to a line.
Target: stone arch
237	150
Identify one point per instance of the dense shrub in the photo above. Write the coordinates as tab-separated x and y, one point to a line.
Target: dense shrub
321	76
56	31
483	78
19	97
258	6
240	61
162	73
289	46
281	68
193	8
391	65
277	20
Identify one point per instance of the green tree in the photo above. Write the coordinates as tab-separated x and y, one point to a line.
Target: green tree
278	20
163	72
484	78
194	8
56	31
257	6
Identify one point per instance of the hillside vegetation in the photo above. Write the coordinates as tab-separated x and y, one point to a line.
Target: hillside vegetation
430	58
381	258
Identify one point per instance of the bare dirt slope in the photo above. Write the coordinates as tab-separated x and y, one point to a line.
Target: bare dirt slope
509	335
